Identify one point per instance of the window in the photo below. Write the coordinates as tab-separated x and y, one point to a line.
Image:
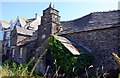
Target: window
13	52
7	35
43	36
5	51
21	52
56	19
8	43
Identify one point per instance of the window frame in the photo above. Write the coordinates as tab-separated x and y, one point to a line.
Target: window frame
21	53
13	52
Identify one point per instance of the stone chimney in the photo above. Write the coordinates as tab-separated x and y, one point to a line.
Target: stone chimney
51	5
37	16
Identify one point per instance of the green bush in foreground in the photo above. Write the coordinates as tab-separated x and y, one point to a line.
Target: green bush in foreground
69	64
13	70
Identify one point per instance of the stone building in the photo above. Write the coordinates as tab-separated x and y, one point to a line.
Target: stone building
22	25
98	33
3	26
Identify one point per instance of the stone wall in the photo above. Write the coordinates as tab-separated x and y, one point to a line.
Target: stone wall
102	42
41	67
16	57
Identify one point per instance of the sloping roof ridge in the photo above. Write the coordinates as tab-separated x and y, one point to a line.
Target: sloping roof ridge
5	21
26	25
92	13
76	18
67	43
31	18
4	24
106	11
22	30
23	18
26	40
32	21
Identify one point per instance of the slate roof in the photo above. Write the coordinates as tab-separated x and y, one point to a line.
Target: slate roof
30	20
33	24
4	24
24	34
75	49
22	21
92	21
24	31
21	38
26	41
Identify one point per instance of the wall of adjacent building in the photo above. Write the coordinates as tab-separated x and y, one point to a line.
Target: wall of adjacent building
16	57
102	42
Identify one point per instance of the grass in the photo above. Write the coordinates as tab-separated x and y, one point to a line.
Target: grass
13	70
21	71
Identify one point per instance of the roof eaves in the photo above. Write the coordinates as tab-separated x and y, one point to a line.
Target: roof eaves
68	45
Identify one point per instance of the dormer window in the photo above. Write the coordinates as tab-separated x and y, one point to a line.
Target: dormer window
56	18
21	52
13	52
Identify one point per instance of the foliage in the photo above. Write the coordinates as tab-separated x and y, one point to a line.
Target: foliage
117	58
14	70
69	64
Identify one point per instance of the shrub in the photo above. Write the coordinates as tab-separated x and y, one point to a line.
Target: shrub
69	64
